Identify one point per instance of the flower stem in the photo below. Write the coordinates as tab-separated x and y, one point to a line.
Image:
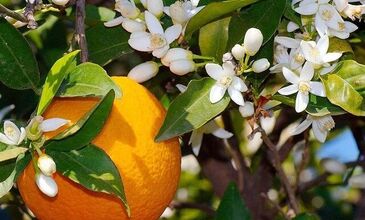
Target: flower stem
203	57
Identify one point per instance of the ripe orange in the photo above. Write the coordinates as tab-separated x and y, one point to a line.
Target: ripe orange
150	170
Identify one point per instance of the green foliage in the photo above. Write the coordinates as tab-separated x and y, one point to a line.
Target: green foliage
92	168
54	79
12	153
306	216
85	130
19	69
212	12
232	206
88	79
191	110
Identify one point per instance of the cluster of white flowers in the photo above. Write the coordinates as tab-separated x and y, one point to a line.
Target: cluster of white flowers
305	58
148	35
32	136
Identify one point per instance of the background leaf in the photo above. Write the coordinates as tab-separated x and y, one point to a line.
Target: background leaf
191	109
232	206
92	168
88	79
54	79
12	153
264	15
19	69
85	130
212	12
106	44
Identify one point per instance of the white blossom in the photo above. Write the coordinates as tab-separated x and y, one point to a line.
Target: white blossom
260	65
321	125
155	7
247	110
238	52
291	27
56	2
174	54
46	185
354	11
12	134
144	71
46	164
333	166
182	67
252	41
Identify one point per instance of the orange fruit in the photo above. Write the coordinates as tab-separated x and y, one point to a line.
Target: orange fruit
150	170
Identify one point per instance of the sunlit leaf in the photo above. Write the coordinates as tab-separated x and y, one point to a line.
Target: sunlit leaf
12	153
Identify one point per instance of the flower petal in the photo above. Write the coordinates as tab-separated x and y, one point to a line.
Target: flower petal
216	93
140	41
290	76
238	84
329	57
11	131
288	90
22	136
308	9
320	135
301	102
5	110
153	24
307	72
160	52
323	44
236	96
114	22
302	126
317	88
53	124
172	33
6	140
287	42
214	70
196	139
228	68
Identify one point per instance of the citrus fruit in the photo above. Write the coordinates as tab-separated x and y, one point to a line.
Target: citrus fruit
150	170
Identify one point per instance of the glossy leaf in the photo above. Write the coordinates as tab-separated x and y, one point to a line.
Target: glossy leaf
214	11
264	15
213	39
318	106
232	206
88	79
19	69
12	153
92	168
54	79
191	109
290	14
106	44
85	130
339	45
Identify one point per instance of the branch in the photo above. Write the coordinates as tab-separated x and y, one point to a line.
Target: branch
189	205
275	205
29	14
80	30
12	14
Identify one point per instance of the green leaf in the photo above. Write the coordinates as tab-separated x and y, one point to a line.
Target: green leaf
106	44
54	79
88	79
19	69
212	12
317	106
85	130
290	14
232	206
213	38
191	110
18	166
264	15
92	168
12	153
306	216
339	45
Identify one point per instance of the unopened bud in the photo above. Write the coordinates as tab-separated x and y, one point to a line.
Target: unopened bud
182	67
58	2
227	57
155	7
176	54
238	52
333	166
247	110
260	65
127	9
143	71
292	26
252	41
46	185
133	26
178	13
46	164
33	129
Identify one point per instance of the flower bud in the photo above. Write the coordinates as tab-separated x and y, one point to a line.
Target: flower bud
133	26
253	41
46	164
178	13
260	65
247	110
155	7
182	67
127	9
33	129
238	52
333	166
176	54
46	185
292	26
143	71
59	2
227	57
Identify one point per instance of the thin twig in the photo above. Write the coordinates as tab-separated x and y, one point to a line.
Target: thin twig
274	205
305	159
189	205
282	176
239	165
29	14
12	14
80	36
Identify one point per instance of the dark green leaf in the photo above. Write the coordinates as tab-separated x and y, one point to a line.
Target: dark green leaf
54	79
213	12
213	38
92	168
232	206
306	216
88	79
318	106
191	110
85	130
264	15
18	66
106	44
291	14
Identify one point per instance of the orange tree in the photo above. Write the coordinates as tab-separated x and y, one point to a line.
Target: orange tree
247	89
